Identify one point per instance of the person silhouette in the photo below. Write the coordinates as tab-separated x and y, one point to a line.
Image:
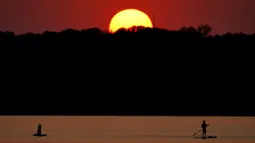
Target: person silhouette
204	126
39	129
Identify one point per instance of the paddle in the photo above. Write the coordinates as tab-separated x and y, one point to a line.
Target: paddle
197	132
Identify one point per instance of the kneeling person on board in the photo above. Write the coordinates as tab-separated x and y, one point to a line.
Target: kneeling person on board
39	129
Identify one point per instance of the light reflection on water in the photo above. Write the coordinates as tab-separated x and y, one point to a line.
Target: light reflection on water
133	129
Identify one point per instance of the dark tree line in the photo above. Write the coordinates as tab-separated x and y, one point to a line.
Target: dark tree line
132	46
185	65
72	44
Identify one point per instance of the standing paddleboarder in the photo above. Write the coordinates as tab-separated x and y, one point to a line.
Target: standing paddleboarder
204	126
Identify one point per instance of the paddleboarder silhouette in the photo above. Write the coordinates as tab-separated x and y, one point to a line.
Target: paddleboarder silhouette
39	129
204	126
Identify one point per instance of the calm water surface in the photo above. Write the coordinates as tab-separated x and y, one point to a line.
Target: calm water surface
124	129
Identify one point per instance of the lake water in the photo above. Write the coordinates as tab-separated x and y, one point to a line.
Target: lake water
125	129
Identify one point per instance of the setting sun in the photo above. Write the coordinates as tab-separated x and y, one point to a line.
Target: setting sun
128	18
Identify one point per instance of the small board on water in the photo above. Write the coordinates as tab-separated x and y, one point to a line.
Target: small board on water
208	137
40	135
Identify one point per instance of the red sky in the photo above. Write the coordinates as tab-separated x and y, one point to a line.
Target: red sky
21	16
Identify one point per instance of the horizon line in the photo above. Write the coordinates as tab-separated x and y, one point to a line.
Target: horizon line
107	31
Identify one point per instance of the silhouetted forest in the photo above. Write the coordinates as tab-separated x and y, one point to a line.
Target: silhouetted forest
186	71
77	47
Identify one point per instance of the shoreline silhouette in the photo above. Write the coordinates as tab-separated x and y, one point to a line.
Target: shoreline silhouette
186	43
139	71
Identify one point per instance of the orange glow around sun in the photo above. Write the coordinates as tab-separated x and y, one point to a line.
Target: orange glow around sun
128	18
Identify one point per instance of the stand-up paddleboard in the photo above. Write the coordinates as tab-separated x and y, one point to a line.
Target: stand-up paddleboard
208	137
40	135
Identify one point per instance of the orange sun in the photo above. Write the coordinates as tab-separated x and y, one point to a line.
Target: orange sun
128	18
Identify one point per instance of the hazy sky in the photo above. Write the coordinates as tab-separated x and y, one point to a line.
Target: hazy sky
22	16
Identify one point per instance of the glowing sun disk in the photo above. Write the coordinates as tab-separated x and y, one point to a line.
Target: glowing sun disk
128	18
